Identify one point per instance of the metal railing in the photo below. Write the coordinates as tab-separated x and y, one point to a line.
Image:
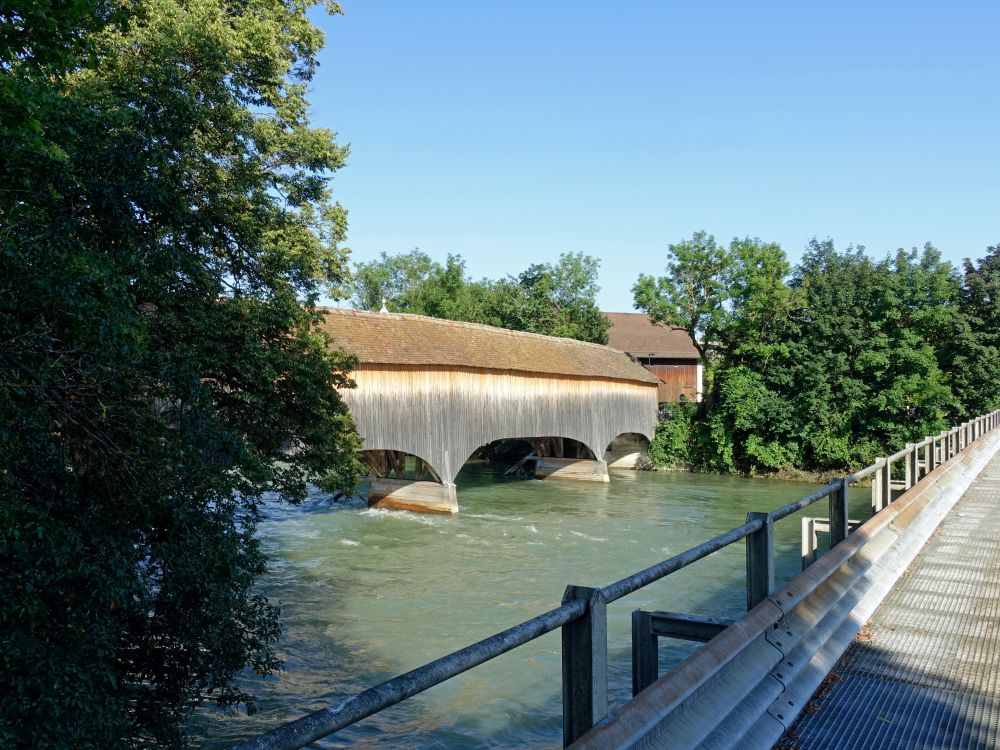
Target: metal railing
582	615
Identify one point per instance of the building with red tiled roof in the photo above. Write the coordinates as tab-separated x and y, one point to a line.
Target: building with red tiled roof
666	351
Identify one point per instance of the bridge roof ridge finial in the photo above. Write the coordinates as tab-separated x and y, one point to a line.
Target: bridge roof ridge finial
384	310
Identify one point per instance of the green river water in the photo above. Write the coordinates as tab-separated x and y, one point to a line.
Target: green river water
369	594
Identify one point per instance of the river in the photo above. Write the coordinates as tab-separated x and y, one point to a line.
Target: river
368	594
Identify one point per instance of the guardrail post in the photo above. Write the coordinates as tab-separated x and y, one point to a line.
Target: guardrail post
887	484
644	651
838	512
584	664
909	467
882	486
760	560
876	491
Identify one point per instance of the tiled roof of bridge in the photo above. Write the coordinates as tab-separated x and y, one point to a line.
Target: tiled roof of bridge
635	334
395	338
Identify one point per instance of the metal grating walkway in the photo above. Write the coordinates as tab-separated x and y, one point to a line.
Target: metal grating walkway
924	672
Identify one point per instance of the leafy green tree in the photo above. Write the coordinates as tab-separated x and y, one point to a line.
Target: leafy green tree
861	374
390	278
671	445
847	360
758	301
693	293
166	229
413	283
725	298
976	360
552	299
446	293
734	302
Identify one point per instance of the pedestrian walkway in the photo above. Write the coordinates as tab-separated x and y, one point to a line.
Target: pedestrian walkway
924	672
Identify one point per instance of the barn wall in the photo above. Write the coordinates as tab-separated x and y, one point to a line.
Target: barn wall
678	378
444	414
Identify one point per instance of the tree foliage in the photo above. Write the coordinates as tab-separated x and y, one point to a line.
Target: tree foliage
553	299
835	363
693	293
976	347
390	278
166	230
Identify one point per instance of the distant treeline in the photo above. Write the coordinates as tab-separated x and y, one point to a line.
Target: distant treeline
822	367
557	299
827	366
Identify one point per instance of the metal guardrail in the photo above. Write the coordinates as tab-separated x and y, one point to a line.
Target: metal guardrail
582	616
745	687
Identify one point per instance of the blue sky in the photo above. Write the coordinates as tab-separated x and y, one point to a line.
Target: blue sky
511	132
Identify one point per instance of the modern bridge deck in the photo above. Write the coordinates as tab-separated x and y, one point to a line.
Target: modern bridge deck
925	670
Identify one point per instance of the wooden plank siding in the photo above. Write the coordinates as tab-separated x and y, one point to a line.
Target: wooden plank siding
442	414
678	378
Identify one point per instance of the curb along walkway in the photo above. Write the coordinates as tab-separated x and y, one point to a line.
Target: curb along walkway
925	670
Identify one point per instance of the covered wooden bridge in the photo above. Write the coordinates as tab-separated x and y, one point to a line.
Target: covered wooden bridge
439	389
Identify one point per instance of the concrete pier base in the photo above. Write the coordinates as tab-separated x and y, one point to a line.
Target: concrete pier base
622	460
625	450
573	469
406	494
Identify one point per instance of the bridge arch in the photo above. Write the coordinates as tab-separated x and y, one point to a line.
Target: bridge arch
626	450
389	462
441	389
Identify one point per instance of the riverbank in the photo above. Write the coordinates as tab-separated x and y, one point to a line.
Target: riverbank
644	463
